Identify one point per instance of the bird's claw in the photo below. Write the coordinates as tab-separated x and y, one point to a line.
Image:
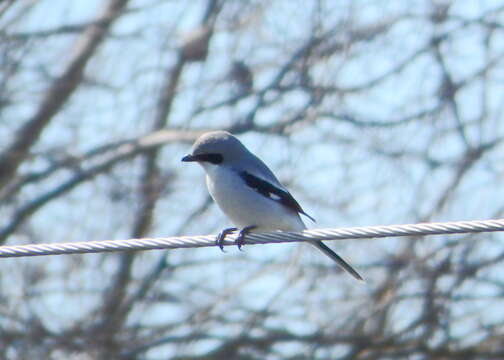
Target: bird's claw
219	241
240	240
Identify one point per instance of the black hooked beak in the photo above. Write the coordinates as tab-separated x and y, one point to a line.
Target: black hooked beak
189	158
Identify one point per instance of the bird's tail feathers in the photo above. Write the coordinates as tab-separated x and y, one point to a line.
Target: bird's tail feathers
335	257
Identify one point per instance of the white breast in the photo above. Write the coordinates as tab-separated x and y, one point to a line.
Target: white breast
244	206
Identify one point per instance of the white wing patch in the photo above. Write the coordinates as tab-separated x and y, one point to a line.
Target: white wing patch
274	197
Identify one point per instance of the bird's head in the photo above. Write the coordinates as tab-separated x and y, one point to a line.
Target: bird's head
216	148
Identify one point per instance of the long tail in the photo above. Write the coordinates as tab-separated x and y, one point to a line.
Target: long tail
335	257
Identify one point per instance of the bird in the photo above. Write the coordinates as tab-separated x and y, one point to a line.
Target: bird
248	192
242	77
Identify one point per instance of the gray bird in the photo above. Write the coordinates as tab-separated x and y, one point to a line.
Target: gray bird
242	76
248	192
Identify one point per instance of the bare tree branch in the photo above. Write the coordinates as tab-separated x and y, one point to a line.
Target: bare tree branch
59	92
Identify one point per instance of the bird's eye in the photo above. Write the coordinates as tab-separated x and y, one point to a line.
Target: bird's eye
211	158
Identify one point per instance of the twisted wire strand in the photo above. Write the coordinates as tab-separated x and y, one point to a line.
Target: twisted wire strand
177	242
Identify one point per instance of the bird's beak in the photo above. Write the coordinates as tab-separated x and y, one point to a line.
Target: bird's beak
189	158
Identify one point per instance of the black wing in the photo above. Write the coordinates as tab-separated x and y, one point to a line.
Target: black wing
272	192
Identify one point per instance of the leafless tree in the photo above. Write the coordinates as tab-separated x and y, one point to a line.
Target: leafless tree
371	112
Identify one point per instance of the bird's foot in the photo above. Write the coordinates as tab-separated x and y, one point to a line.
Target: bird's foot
219	241
240	240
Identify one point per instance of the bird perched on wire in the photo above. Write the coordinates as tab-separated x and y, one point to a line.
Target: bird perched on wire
248	192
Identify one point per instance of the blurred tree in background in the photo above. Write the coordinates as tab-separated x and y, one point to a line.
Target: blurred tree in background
371	112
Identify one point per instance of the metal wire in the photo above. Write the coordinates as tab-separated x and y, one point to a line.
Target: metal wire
458	227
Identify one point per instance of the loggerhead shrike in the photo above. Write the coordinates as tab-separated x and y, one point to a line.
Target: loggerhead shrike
248	192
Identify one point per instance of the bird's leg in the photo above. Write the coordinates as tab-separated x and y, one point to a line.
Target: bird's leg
219	241
240	240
